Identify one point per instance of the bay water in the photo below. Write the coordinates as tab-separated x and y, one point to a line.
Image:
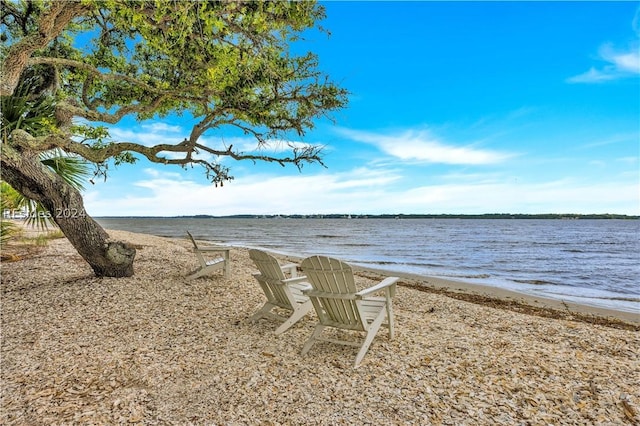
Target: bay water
593	262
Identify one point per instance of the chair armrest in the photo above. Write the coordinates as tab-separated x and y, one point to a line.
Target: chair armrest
291	268
212	248
295	280
321	294
387	282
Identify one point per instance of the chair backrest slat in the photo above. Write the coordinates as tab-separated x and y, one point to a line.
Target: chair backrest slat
271	277
267	265
195	245
334	276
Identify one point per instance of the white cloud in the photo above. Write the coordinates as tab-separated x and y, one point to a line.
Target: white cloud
157	132
615	138
363	191
159	126
154	173
171	194
422	146
626	62
563	196
597	163
148	135
628	160
618	64
592	76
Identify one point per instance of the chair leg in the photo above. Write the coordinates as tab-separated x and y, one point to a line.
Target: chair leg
262	311
227	265
300	311
196	274
202	271
316	333
390	320
371	333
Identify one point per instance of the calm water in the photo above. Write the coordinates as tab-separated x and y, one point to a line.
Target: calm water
595	262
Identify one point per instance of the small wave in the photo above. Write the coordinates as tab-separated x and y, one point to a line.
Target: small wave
424	264
535	282
622	299
396	262
481	276
553	243
467	276
382	262
327	236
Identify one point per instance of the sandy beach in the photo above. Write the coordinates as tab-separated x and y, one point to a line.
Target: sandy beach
158	349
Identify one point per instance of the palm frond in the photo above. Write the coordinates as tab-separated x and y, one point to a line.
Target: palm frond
34	112
74	170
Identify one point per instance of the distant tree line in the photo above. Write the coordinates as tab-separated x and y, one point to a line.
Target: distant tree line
425	216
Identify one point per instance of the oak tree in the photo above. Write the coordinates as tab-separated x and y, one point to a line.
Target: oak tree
224	63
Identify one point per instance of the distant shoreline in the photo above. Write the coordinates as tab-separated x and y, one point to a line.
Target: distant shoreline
551	216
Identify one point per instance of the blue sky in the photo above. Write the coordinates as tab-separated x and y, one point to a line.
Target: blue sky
455	107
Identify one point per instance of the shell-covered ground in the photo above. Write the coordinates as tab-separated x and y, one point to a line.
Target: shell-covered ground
158	349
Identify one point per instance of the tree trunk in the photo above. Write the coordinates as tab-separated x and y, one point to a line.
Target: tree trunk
25	173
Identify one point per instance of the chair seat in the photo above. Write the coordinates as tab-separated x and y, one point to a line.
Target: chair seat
214	261
371	307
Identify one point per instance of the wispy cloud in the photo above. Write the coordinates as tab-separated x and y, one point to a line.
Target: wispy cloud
617	138
423	146
149	134
352	191
628	160
618	63
161	127
364	191
158	132
271	145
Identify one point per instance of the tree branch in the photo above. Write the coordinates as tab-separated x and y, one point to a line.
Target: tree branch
50	25
24	142
95	71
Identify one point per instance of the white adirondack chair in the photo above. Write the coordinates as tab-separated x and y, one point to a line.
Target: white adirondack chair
339	305
210	259
283	288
